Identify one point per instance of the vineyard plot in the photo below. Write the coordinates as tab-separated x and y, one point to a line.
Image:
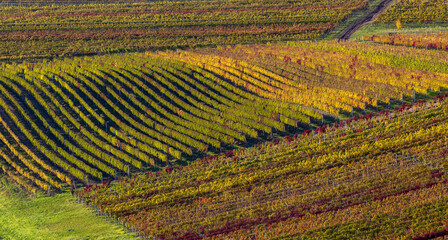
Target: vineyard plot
373	175
93	119
90	29
437	41
416	11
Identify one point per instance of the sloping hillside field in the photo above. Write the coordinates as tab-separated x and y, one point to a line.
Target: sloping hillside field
416	11
96	118
223	119
61	30
379	175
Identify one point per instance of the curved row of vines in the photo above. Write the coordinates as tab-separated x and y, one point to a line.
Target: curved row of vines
95	118
375	175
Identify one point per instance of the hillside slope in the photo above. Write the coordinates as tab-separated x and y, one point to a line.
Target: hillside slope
415	17
379	175
408	11
92	119
382	6
75	30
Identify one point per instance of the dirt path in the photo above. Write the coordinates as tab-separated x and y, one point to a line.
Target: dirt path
364	21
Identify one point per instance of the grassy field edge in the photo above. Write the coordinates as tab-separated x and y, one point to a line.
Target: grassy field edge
50	217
